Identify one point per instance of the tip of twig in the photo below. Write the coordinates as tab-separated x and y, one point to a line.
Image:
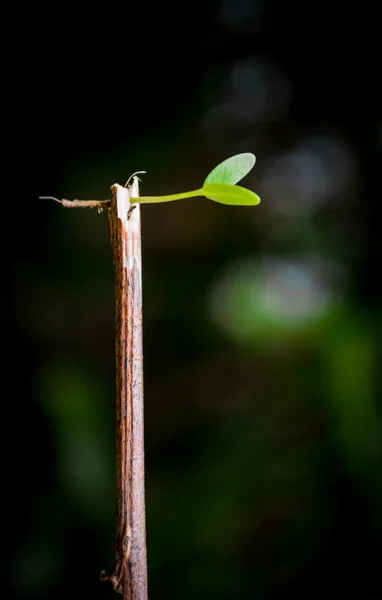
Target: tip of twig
103	576
50	198
100	204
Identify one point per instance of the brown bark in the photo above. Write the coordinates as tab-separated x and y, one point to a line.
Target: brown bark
130	575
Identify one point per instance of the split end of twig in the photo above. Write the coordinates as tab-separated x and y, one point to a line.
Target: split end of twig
100	204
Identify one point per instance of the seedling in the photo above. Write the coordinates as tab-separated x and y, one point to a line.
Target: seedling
219	185
130	574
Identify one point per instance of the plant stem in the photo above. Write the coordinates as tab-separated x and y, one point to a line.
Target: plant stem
130	575
153	199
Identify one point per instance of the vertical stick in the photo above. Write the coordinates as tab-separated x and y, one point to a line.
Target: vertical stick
130	576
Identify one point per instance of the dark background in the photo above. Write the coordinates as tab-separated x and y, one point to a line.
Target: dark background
262	325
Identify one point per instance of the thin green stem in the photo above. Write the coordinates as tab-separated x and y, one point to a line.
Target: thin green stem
152	199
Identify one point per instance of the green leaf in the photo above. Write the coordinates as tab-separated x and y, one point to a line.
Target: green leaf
232	169
230	194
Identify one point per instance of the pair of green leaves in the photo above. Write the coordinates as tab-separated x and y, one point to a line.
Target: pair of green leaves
219	185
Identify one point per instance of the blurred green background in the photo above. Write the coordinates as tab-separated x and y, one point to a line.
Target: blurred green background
262	325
